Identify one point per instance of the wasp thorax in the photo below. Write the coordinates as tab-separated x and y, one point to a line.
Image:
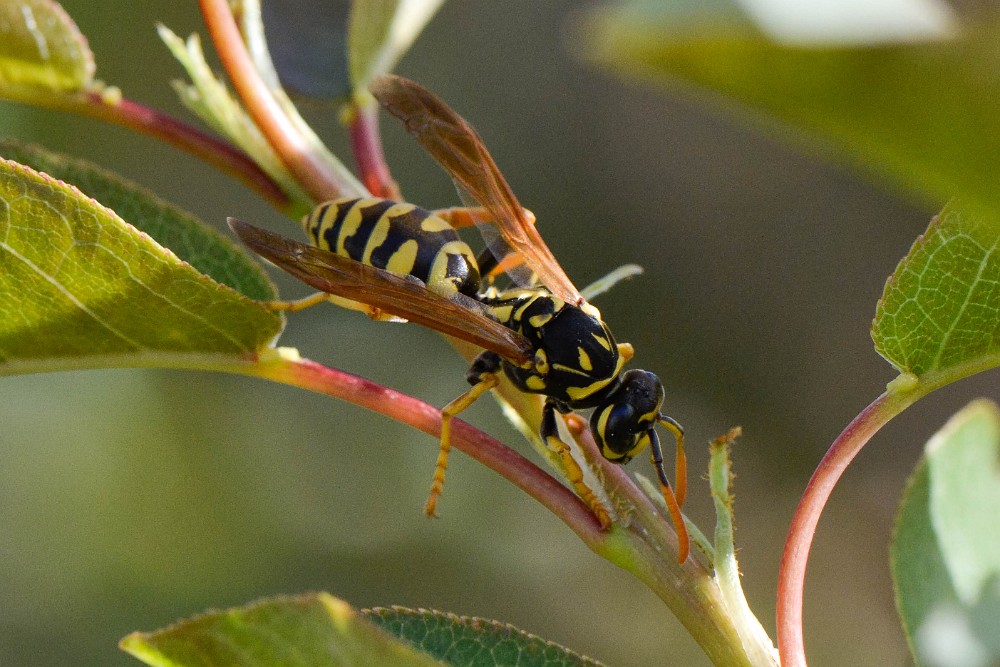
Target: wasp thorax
621	425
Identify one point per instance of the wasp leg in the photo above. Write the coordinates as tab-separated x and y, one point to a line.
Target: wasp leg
550	435
467	216
299	304
482	376
680	463
656	456
323	297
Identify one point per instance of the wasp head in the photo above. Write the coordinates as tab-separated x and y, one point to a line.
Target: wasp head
623	422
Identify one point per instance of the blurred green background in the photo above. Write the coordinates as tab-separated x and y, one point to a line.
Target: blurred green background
129	499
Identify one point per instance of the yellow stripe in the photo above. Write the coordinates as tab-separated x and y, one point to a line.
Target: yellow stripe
352	221
577	393
402	261
378	236
432	223
602	341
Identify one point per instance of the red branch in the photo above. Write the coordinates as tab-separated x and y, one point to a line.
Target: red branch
212	150
262	106
487	450
791	576
366	144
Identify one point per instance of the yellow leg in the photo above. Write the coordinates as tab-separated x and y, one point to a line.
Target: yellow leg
323	297
486	382
299	304
574	473
466	216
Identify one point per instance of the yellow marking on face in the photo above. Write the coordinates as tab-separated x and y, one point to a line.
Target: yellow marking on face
650	416
602	341
639	445
402	261
584	359
535	383
602	427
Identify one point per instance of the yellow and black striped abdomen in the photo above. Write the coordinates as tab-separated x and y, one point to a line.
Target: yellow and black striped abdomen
397	237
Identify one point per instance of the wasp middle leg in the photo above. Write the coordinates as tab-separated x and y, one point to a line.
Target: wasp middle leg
482	376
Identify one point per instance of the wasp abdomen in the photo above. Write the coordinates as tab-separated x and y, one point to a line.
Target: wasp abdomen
398	237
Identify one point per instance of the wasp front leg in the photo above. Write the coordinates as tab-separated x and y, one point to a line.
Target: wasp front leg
482	376
550	435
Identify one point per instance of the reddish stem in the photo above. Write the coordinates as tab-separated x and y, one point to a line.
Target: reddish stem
487	450
366	144
212	150
791	576
263	107
155	123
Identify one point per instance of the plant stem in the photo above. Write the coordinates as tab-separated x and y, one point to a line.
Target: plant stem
366	144
284	134
487	450
152	122
689	590
791	576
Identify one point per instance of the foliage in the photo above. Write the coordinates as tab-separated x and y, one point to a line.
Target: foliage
98	272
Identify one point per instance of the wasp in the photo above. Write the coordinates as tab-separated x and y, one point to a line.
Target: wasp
397	260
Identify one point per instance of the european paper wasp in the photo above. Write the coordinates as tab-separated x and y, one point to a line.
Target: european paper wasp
394	259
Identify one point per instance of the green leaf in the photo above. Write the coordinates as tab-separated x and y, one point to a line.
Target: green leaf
927	114
209	99
80	287
946	548
40	46
315	630
199	245
940	311
380	32
473	642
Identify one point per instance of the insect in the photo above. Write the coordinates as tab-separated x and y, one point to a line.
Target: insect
543	336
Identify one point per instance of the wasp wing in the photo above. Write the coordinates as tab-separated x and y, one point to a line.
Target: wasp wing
386	291
458	148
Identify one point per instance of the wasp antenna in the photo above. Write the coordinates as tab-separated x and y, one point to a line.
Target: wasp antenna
680	463
683	541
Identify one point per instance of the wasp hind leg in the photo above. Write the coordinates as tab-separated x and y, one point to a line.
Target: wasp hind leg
574	473
483	377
